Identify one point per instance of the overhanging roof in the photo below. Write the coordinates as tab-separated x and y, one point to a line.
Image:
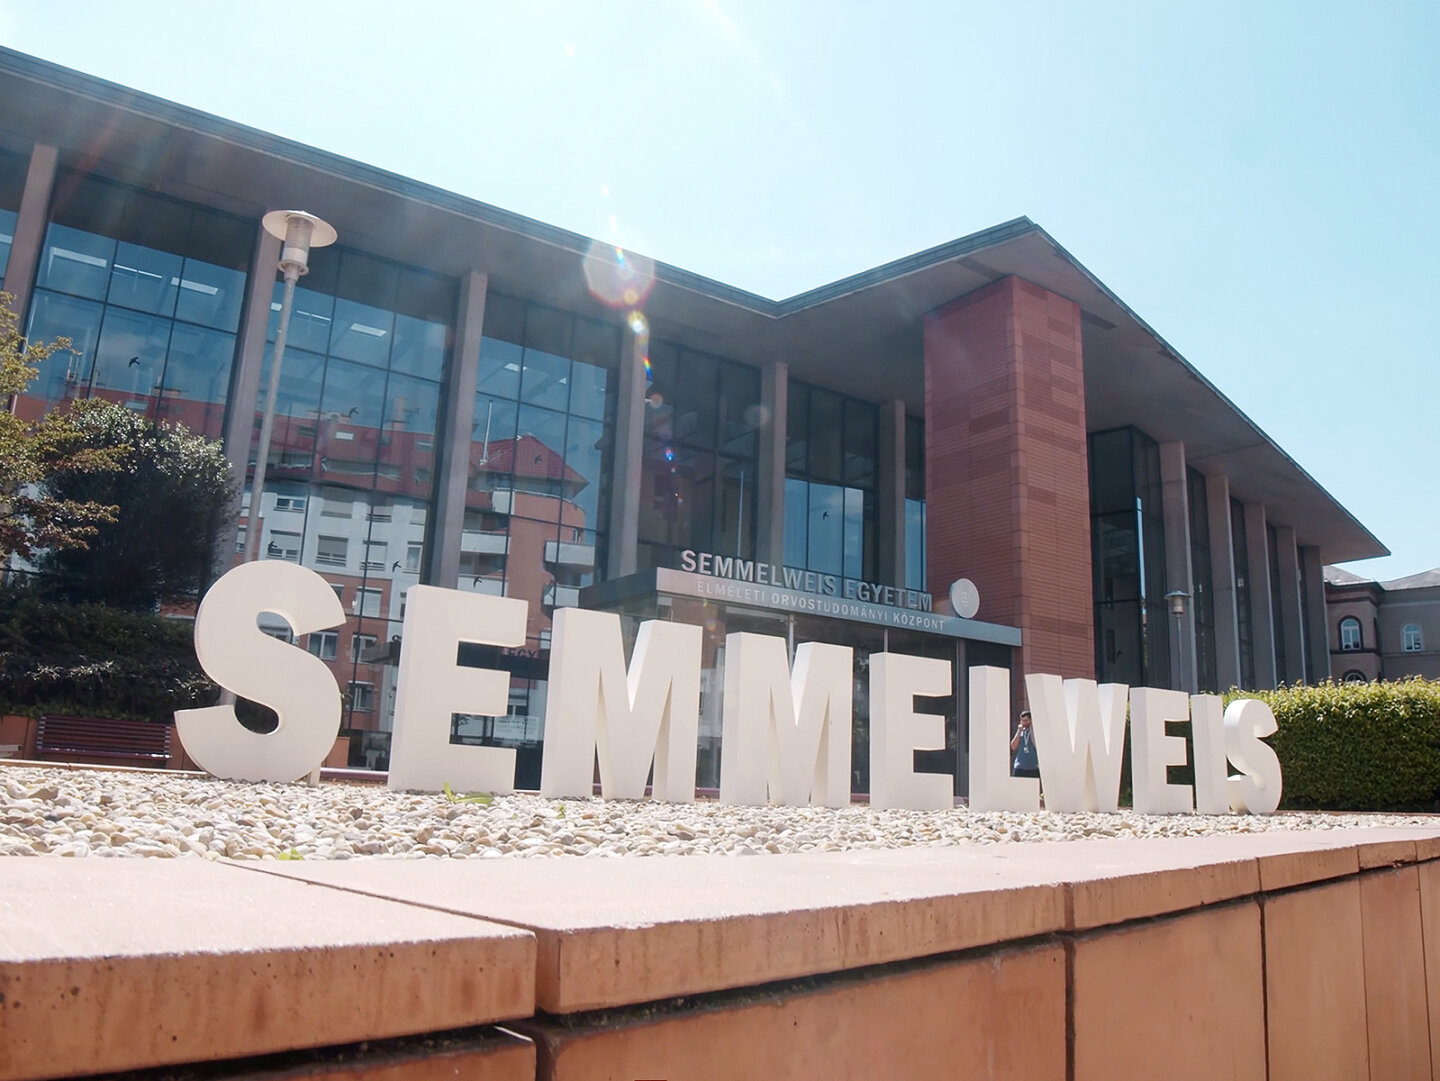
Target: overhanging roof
862	335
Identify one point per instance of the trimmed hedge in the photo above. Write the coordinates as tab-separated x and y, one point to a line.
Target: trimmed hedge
95	661
1357	747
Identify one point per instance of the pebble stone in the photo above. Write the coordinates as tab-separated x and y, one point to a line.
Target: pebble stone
100	813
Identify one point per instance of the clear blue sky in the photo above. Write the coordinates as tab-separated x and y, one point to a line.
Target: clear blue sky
1257	180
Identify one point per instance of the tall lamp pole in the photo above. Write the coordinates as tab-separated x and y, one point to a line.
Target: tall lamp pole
298	233
1177	599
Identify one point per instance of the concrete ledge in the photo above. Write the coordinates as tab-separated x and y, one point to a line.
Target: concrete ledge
118	964
1301	954
614	932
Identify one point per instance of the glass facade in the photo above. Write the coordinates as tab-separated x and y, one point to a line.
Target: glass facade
351	475
149	292
915	553
1202	577
701	456
12	187
1277	619
1128	554
831	456
1244	626
538	499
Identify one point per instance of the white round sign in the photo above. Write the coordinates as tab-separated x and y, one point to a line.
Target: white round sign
964	598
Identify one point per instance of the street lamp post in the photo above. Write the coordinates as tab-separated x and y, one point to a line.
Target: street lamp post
298	233
1177	599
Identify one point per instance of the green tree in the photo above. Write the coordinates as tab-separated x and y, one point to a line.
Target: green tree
172	492
33	516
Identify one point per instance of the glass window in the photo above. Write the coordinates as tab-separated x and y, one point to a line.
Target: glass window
283	544
362	333
914	544
145	279
362	697
8	219
797	430
212	296
861	446
419	347
545	379
66	373
196	379
311	316
1411	639
359	645
1354	676
76	262
367	602
131	356
331	551
826	429
324	644
1349	633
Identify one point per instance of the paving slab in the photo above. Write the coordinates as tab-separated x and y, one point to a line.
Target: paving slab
108	965
621	931
615	932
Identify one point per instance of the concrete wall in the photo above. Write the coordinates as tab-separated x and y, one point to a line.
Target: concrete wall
1279	955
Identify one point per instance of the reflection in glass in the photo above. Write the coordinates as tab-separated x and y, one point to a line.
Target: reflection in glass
361	332
67	371
419	347
210	295
76	262
144	279
7	237
131	354
545	379
197	373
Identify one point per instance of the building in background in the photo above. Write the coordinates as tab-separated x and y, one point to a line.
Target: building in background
477	400
1383	630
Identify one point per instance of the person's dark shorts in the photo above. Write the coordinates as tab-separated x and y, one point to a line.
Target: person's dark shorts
1018	772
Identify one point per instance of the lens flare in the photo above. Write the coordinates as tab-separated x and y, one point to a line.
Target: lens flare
618	278
639	325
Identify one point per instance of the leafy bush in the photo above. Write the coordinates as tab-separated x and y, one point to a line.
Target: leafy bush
1357	747
95	661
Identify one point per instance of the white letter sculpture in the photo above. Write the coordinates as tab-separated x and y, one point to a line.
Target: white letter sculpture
246	661
432	687
897	732
1207	736
1079	740
651	714
785	735
1257	789
1151	751
992	788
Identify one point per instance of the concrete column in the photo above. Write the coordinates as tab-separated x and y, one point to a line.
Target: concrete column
1317	627
890	493
629	448
30	225
1175	507
1292	623
1262	620
1222	575
244	394
455	434
770	485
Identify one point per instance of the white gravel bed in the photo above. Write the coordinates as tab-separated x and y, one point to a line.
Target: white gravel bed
111	813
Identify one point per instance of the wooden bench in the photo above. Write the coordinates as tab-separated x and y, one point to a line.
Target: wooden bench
83	738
